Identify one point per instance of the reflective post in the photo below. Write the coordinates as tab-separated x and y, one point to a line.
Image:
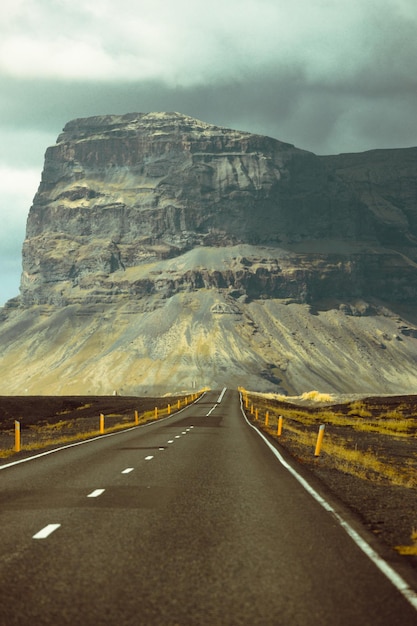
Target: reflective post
17	444
319	440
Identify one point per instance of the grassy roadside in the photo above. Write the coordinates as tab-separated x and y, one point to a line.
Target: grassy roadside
66	426
372	440
344	445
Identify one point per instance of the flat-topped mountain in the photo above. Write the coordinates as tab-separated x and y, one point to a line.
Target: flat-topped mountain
163	251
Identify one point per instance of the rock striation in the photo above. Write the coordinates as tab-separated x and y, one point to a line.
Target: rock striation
149	218
118	192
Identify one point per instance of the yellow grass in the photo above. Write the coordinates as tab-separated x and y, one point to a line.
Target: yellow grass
79	408
4	454
47	441
312	396
50	428
409	550
300	428
316	396
45	435
358	408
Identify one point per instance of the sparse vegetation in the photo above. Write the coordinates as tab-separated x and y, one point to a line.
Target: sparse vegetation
346	453
316	396
410	550
368	456
45	433
359	409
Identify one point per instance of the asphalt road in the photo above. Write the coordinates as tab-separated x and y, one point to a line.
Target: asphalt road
188	521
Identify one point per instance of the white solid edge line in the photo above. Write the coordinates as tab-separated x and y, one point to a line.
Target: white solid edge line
380	563
96	493
80	443
45	532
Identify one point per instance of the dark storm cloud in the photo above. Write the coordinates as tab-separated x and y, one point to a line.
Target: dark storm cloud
317	117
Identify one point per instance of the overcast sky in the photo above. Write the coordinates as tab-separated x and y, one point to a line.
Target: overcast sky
329	76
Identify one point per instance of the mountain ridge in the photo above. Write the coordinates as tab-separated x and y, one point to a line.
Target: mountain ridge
149	214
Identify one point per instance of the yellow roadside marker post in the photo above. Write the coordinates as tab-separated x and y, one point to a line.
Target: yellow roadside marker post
169	409
279	427
101	424
267	418
319	440
17	445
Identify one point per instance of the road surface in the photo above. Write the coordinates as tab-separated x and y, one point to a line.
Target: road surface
191	520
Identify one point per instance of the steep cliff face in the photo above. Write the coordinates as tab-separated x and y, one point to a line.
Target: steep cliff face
144	218
118	192
386	182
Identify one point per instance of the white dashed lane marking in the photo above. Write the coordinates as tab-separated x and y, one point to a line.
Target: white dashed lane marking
45	532
95	493
220	398
50	528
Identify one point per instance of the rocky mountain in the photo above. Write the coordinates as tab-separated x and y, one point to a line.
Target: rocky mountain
162	252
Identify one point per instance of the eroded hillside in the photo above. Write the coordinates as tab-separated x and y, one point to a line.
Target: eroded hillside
163	252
